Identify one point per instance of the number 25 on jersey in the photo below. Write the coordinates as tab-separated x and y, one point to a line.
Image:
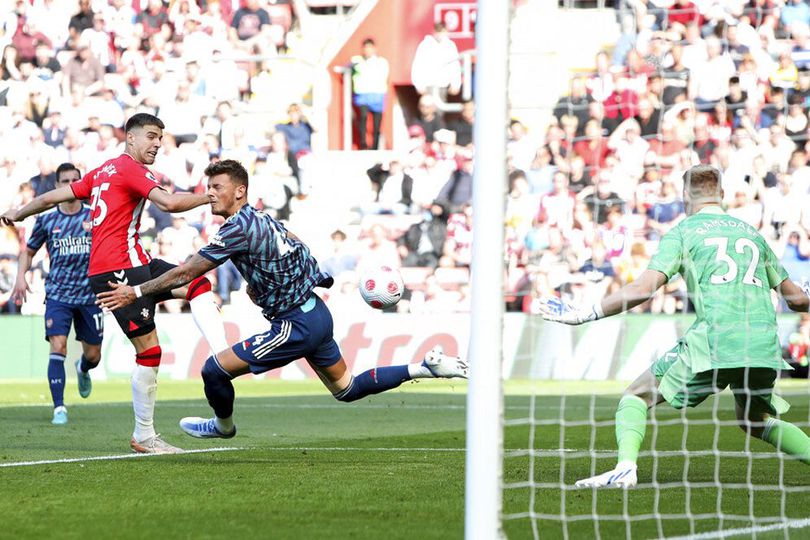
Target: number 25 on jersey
97	202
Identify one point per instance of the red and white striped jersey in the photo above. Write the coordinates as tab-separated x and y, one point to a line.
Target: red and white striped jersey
117	191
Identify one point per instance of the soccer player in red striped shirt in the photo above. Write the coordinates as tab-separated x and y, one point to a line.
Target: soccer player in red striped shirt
118	191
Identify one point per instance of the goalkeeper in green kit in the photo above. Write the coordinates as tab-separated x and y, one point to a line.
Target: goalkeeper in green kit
729	271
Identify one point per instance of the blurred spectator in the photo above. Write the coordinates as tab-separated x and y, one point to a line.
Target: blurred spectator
458	189
629	148
10	64
458	247
794	14
369	87
423	242
436	66
613	234
557	207
341	258
708	83
250	28
8	271
46	179
428	118
521	204
521	147
80	21
463	127
541	171
274	187
26	39
601	200
665	212
796	252
378	249
98	40
575	103
181	238
297	130
228	280
798	348
393	188
83	73
676	77
151	21
648	118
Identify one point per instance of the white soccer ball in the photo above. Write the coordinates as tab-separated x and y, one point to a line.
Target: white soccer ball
381	287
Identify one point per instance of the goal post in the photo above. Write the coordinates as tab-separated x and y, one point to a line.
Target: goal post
484	458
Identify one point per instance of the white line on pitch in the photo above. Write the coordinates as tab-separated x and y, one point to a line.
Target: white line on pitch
174	404
114	457
747	531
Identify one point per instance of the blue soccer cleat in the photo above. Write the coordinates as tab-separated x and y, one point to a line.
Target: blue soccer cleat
85	382
204	428
59	416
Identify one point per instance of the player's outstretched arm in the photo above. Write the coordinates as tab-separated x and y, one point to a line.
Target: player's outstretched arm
176	202
634	293
21	287
631	295
122	295
796	297
39	204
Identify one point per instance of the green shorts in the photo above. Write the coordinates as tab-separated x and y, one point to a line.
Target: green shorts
682	388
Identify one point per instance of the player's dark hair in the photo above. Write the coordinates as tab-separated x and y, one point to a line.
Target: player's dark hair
702	181
235	171
141	120
368	41
64	167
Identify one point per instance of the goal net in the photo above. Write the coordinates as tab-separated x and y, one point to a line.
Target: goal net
594	183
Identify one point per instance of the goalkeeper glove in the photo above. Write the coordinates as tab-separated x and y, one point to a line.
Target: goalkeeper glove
557	310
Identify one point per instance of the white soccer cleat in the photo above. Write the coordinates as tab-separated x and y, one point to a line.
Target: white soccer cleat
443	366
59	416
153	445
621	477
204	428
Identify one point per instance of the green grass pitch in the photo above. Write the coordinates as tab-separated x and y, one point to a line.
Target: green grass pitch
390	466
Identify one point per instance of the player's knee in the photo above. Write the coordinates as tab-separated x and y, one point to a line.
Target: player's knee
93	357
150	357
350	393
197	287
58	344
212	371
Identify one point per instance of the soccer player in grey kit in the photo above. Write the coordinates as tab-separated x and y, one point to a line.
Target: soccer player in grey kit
281	275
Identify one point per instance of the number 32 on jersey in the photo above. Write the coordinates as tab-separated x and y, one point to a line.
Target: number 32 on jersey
740	246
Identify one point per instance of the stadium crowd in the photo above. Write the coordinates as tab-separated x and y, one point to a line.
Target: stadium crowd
589	195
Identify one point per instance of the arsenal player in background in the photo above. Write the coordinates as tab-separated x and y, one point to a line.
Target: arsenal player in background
118	191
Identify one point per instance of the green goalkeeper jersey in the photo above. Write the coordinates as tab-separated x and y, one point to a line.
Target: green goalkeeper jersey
729	271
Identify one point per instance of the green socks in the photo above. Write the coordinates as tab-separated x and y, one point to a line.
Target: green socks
631	422
787	438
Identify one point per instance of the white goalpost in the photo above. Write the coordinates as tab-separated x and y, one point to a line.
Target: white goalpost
698	474
484	459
